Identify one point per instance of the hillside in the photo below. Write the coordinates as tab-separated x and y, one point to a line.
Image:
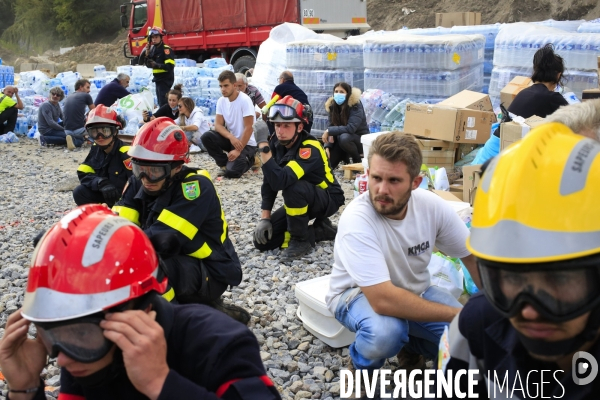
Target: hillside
389	14
381	15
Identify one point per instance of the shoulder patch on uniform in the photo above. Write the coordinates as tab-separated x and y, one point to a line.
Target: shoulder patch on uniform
191	190
305	153
167	51
128	164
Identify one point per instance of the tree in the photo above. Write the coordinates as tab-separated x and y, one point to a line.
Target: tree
84	21
7	17
34	26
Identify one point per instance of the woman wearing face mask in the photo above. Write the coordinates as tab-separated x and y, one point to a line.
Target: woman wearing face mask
169	110
347	123
192	122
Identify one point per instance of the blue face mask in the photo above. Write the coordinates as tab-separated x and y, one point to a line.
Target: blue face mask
175	108
339	98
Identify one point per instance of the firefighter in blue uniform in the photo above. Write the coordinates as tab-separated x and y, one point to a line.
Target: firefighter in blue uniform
536	235
107	167
180	211
296	164
159	57
109	330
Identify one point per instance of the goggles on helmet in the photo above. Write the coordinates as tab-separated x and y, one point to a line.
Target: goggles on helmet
285	112
81	339
101	131
558	292
153	172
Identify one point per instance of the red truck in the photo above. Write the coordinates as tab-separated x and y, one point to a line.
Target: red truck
233	29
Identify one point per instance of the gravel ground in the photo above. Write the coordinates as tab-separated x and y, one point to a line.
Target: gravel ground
35	187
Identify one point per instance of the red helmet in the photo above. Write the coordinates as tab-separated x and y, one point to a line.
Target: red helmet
155	30
102	115
160	140
289	109
90	261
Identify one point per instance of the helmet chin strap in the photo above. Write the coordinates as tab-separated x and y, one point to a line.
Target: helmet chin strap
565	346
287	142
106	146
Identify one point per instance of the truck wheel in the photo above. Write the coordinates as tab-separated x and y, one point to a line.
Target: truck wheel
243	64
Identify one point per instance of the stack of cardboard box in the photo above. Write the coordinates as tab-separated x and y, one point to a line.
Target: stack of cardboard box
510	132
465	118
448	20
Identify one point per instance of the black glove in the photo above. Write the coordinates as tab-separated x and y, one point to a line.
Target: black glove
166	245
110	193
263	227
150	63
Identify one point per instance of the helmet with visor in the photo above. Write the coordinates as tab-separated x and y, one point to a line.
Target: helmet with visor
89	263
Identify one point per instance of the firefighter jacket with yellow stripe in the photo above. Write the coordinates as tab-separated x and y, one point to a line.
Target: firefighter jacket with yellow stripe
98	165
306	160
162	55
190	207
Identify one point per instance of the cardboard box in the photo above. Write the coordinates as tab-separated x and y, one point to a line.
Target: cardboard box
471	100
471	176
510	91
437	153
510	132
590	94
458	125
448	20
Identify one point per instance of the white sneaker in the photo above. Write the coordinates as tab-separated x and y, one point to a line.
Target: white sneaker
195	149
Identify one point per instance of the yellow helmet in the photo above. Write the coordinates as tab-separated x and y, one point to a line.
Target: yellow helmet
539	200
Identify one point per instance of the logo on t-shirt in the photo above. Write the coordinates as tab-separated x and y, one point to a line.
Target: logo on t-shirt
418	249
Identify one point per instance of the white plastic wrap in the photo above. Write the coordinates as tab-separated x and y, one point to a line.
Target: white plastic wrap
290	32
448	52
322	81
516	45
423	82
488	31
270	63
318	54
592	26
317	101
569	26
576	81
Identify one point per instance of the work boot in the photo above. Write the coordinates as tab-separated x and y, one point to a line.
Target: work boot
410	361
257	163
324	230
235	312
221	171
296	249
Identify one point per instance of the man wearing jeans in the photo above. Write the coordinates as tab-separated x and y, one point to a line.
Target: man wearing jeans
75	108
380	286
49	114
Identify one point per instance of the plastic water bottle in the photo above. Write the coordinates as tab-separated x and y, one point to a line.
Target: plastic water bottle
99	71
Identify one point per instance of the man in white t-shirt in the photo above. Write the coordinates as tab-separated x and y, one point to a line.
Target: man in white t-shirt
380	286
232	143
